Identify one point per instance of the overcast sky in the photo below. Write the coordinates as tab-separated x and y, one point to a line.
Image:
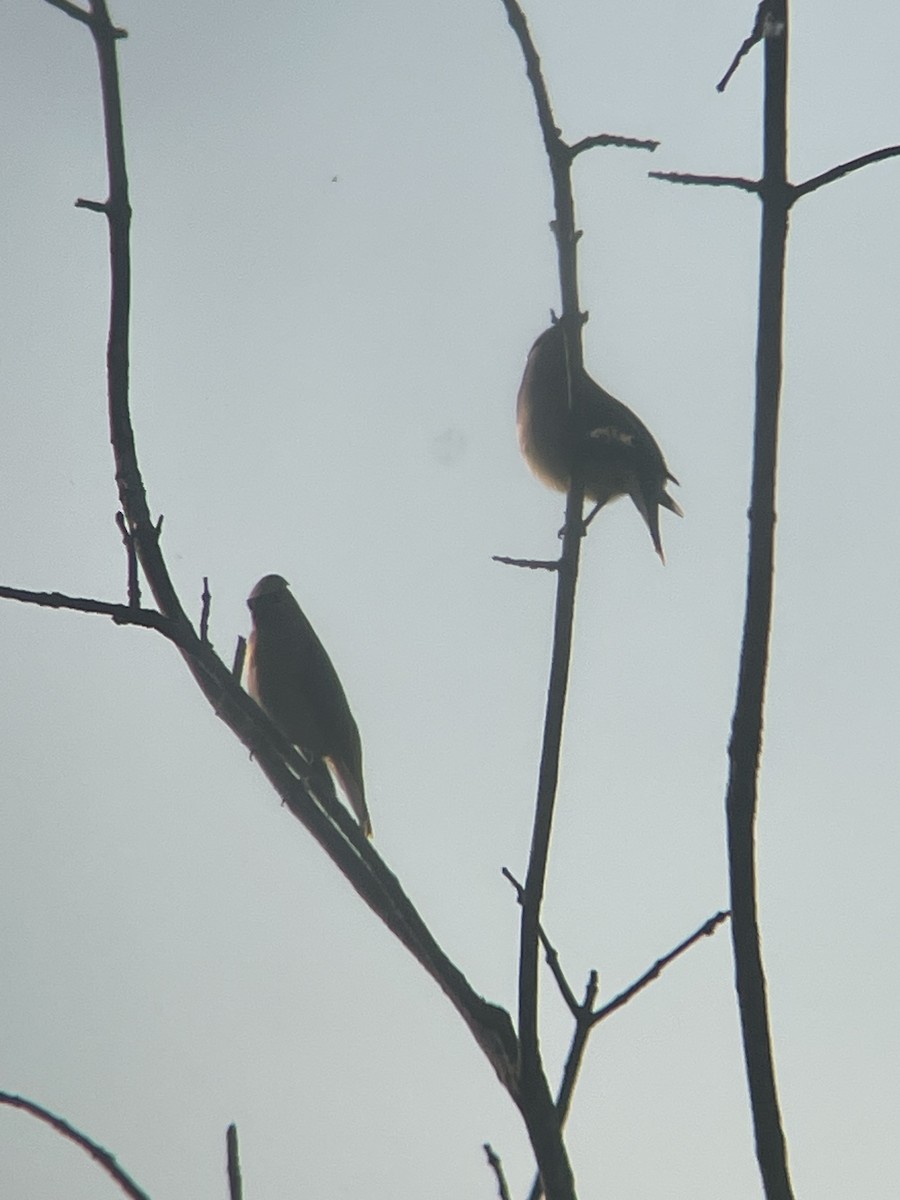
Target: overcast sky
341	257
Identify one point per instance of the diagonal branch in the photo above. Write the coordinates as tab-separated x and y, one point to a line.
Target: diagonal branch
735	181
586	1019
94	1149
855	164
294	780
612	139
122	614
72	10
707	929
497	1167
530	564
756	34
550	952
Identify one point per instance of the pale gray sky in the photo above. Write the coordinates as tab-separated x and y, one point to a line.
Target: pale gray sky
177	953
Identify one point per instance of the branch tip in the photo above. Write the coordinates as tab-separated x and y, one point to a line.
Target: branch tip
235	1183
205	603
100	206
497	1167
532	564
760	29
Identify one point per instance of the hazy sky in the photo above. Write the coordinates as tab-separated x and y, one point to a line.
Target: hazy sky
341	257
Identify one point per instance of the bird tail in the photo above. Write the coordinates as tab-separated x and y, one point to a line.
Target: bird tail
672	505
355	795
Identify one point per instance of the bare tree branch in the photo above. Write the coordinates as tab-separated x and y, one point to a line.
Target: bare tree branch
72	10
205	602
122	614
532	564
497	1167
235	1183
746	730
586	1019
134	584
735	181
550	952
811	185
746	46
707	929
96	1151
612	139
305	788
539	1112
240	653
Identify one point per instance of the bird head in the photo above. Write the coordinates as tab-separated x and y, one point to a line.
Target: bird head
270	587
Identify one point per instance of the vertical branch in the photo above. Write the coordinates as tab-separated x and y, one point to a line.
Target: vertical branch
746	733
118	213
235	1183
537	1106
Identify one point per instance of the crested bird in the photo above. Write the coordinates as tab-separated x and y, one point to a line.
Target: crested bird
290	676
618	453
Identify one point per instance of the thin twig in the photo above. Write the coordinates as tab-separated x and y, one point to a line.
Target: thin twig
735	181
205	602
235	1183
612	139
803	189
134	584
550	952
497	1167
532	564
586	1019
240	653
97	206
747	45
573	1064
539	1112
707	929
72	10
541	1117
122	614
94	1149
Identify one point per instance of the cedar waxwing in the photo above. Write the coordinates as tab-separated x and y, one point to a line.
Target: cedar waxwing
621	457
290	675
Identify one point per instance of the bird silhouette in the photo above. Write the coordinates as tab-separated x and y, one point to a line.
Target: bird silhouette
290	676
619	455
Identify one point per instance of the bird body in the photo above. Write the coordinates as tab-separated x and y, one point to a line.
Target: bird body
619	455
291	677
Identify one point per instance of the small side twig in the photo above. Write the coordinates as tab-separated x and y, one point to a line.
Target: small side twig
72	10
735	181
707	929
122	614
235	1183
497	1167
550	952
205	602
240	653
134	583
612	139
96	1151
864	160
586	1018
97	206
532	564
756	35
